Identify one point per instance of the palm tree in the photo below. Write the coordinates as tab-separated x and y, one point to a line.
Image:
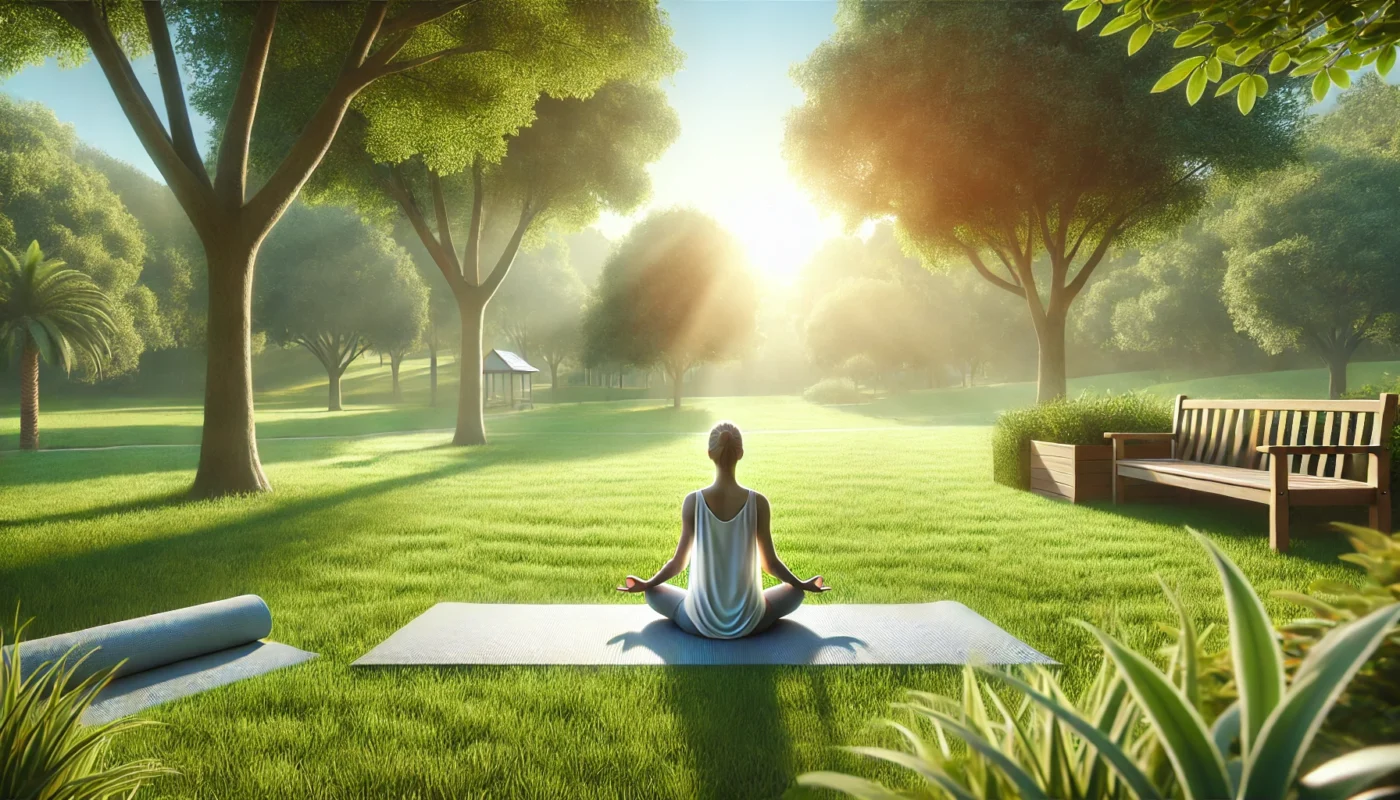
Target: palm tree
53	313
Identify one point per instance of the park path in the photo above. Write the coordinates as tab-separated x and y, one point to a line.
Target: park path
419	431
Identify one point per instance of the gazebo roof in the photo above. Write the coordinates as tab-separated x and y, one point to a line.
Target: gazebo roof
505	361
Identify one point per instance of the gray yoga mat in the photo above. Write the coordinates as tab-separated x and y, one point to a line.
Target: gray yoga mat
169	655
945	632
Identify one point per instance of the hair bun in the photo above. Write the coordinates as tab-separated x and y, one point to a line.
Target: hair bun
725	440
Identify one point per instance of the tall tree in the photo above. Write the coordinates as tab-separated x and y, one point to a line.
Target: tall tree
676	293
318	60
1035	144
48	194
335	285
577	159
53	314
1312	258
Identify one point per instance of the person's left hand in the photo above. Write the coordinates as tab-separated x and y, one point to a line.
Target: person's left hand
815	584
633	585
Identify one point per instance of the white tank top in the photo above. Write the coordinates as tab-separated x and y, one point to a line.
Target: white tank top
725	600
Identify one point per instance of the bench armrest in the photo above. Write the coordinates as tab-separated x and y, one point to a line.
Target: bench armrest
1140	437
1319	449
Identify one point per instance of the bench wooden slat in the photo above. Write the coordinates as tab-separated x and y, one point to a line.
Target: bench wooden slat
1327	439
1343	437
1363	406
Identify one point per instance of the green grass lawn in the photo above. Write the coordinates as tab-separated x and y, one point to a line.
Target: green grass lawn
361	535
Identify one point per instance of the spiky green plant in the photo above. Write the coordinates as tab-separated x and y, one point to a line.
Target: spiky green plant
52	314
46	753
1369	711
1139	731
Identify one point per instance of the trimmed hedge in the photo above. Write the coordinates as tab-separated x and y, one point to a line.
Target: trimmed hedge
1081	421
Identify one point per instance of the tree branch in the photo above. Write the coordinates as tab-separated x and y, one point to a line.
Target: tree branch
176	111
444	223
977	263
379	70
1092	262
527	215
231	175
187	188
310	147
471	254
400	191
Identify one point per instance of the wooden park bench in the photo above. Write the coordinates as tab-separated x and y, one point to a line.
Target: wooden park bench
1281	453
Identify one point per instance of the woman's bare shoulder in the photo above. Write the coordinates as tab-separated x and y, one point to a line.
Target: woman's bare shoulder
688	504
760	500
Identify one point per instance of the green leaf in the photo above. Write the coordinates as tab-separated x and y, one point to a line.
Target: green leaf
1385	61
1194	35
1177	74
1089	14
1022	780
1140	37
1254	647
1320	85
1347	775
1340	77
1230	83
1245	99
847	784
1279	63
1226	728
1317	684
1199	767
1075	5
1121	23
1349	62
1196	86
917	765
1121	762
1261	85
1214	69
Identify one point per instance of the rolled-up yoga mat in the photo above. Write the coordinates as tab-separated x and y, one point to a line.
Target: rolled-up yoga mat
156	640
167	655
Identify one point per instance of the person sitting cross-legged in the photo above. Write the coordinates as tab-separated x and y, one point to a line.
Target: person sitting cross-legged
726	539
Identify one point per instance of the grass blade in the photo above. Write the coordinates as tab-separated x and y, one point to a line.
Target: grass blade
847	784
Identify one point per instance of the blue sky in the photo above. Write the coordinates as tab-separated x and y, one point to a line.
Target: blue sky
732	95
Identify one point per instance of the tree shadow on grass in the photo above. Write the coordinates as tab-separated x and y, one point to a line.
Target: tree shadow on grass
251	552
149	503
732	725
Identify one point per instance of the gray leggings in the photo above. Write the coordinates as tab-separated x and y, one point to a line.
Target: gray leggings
669	602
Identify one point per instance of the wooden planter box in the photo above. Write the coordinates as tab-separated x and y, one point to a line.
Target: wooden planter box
1082	473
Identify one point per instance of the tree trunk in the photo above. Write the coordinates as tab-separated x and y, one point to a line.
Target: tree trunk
333	392
228	451
553	380
1336	374
29	396
677	381
471	420
395	360
432	372
1050	375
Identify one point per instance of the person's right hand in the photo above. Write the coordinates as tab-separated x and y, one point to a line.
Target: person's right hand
633	585
815	584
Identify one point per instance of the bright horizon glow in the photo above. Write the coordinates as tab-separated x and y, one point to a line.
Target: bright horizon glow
732	95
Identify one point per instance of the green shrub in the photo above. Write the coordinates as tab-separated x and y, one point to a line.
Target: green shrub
1141	730
1081	421
833	391
45	752
1369	712
1389	383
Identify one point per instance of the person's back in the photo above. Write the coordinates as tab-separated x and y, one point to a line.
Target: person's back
726	540
725	600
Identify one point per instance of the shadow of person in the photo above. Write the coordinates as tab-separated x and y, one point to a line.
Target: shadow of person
787	642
